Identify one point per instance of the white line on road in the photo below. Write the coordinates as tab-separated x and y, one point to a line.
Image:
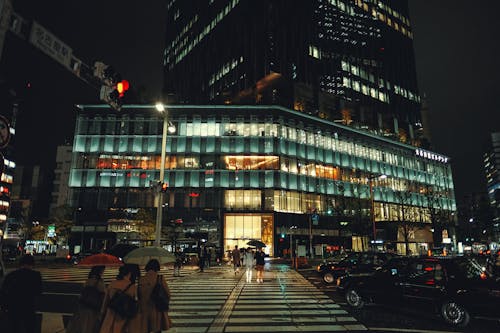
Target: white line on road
408	330
64	294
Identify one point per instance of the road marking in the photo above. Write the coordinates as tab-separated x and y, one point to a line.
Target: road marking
409	330
58	294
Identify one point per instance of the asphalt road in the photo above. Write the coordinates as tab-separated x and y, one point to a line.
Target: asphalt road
395	319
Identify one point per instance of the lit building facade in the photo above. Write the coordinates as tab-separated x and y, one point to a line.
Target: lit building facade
9	226
348	61
60	190
253	172
492	170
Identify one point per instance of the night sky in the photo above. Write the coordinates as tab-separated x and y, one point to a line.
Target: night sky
456	47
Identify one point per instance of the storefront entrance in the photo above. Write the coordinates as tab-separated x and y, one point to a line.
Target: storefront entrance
240	228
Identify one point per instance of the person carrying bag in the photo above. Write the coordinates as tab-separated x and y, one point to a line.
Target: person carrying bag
120	305
154	298
87	317
160	296
123	304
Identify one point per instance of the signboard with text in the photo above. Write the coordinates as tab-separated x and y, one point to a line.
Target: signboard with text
50	45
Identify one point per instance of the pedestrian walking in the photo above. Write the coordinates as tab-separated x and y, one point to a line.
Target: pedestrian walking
208	253
236	259
179	260
259	264
248	262
125	282
87	317
150	317
220	254
18	294
202	256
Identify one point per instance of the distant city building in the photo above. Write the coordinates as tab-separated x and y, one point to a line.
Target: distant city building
492	170
31	185
236	173
60	189
8	113
350	62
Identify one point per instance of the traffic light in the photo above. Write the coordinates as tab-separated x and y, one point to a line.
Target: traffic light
113	88
164	187
122	87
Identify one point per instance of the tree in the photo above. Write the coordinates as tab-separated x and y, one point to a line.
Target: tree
405	216
146	224
361	226
62	218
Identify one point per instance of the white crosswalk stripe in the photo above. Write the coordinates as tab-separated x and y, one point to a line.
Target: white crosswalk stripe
218	301
79	275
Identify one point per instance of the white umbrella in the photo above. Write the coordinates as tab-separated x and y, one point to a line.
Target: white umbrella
142	255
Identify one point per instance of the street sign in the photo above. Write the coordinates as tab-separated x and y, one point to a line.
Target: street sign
50	45
4	132
51	231
315	219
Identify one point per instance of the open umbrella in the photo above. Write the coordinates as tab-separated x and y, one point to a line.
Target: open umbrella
100	259
121	250
142	255
256	243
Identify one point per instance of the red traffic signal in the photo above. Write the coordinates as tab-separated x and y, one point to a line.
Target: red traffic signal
164	187
121	87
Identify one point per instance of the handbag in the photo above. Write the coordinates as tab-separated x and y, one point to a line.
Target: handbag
91	297
160	296
123	304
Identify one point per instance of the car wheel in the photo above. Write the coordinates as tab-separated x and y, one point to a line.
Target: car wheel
455	314
328	277
354	299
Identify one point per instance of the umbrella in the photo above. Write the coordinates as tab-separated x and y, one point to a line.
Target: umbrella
142	255
121	250
256	243
100	259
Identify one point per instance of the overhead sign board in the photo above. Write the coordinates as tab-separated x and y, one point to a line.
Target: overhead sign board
50	45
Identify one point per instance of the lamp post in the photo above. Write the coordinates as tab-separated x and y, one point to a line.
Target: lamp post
161	108
292	228
372	204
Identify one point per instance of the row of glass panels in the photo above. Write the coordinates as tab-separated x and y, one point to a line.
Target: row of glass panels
435	174
139	129
231	179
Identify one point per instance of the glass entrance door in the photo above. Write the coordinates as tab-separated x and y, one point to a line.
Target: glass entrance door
240	228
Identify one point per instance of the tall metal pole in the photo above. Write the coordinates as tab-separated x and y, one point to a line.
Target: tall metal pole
372	211
159	210
310	237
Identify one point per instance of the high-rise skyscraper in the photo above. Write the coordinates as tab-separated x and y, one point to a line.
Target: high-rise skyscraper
492	170
348	61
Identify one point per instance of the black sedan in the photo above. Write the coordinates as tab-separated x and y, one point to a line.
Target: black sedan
458	288
355	262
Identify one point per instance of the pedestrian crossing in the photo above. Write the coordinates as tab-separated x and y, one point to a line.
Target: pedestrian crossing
79	275
217	300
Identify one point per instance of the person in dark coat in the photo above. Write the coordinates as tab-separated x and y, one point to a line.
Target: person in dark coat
87	319
202	255
179	261
19	292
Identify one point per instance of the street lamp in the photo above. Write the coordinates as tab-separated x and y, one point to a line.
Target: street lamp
166	128
372	204
292	228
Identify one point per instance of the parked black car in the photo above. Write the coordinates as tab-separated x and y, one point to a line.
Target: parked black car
458	288
355	262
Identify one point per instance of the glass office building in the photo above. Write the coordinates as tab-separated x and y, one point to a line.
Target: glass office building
349	61
238	173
